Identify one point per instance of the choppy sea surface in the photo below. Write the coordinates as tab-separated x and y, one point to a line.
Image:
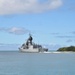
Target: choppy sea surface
17	63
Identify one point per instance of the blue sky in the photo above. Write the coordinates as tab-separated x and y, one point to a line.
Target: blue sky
51	23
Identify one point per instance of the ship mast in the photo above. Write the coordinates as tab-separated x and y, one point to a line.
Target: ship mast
29	41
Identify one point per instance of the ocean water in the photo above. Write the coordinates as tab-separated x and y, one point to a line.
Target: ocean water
16	63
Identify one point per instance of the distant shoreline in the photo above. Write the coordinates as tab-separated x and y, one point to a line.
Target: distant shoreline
55	52
49	52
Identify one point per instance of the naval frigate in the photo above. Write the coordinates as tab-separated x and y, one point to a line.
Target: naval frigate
30	47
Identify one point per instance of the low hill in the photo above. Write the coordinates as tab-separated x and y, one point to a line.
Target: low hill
71	48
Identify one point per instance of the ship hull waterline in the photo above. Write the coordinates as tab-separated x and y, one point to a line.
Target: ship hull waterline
31	51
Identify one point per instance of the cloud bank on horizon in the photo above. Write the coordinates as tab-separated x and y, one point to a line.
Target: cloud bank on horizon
27	6
16	46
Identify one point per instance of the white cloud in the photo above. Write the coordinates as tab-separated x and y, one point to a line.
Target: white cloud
68	41
73	32
65	36
27	6
15	30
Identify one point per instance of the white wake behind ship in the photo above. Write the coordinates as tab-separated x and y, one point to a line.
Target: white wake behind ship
30	47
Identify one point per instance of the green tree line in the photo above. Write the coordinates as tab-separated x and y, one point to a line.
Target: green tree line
71	48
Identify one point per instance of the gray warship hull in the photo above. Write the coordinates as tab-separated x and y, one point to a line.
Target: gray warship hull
29	50
33	50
